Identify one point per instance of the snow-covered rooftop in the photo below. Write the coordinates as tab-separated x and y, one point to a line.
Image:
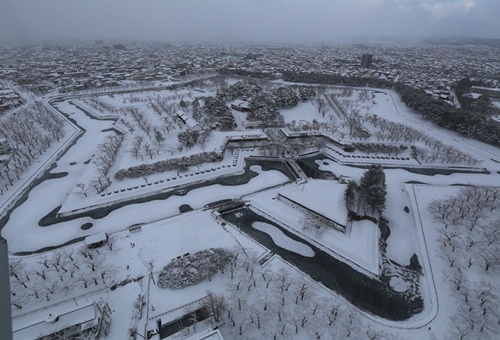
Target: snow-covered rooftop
42	322
96	238
206	334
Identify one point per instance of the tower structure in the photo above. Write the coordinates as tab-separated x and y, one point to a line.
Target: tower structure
6	317
366	60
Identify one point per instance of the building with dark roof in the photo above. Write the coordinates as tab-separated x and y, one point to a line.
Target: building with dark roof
491	92
366	60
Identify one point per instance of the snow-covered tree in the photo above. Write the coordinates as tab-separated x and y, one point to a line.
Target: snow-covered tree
263	108
373	189
159	137
227	121
188	137
321	105
306	92
215	304
194	268
284	96
351	195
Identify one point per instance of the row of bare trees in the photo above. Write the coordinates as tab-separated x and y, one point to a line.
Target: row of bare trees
140	119
104	160
141	148
469	242
444	154
349	116
291	146
181	163
123	87
470	235
351	123
397	132
30	131
99	104
266	304
392	131
381	148
59	272
478	316
166	109
304	125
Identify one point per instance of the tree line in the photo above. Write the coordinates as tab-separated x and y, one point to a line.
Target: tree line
30	131
104	160
281	304
469	244
58	272
184	162
465	121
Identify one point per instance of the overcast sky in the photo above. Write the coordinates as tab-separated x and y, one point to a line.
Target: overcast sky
249	20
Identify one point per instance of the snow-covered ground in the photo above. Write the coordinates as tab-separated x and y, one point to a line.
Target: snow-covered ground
165	233
356	246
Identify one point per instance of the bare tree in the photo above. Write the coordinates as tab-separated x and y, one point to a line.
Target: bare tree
463	324
41	272
283	281
321	105
257	316
15	267
489	258
449	238
456	278
487	297
69	253
148	150
84	279
215	305
363	95
317	328
301	290
111	242
83	190
447	256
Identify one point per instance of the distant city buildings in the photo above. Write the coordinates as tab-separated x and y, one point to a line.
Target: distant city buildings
8	96
366	60
491	92
433	68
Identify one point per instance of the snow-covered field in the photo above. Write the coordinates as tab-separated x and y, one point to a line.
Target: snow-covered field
165	233
355	246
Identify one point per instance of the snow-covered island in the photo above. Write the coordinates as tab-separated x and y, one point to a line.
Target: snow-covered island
228	207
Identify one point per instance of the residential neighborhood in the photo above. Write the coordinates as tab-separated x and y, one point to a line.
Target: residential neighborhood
81	66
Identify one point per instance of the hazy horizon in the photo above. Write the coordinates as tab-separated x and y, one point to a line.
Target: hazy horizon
293	21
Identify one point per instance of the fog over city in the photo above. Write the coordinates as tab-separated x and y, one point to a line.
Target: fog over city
248	20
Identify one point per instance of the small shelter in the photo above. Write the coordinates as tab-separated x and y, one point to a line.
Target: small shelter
96	241
241	105
192	124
